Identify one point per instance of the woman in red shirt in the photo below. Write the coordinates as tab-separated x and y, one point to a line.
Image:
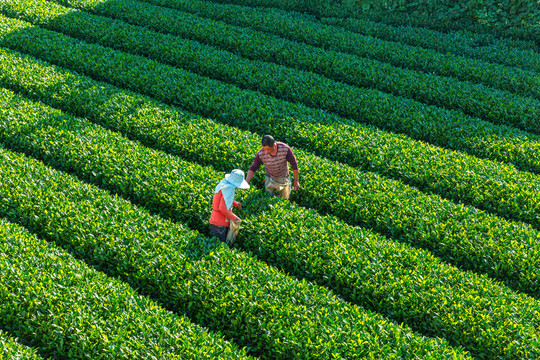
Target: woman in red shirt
224	201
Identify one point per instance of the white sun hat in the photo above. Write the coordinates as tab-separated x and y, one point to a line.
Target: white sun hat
236	178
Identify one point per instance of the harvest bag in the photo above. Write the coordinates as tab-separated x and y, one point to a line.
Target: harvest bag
278	186
234	228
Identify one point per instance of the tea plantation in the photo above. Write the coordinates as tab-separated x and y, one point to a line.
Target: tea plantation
415	233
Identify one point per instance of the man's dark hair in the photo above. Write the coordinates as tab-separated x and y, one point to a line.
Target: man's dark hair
267	140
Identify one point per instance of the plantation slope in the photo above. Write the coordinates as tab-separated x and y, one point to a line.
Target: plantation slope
518	37
232	105
288	23
270	313
398	54
151	178
461	235
289	84
322	9
467	44
70	311
11	349
355	146
365	105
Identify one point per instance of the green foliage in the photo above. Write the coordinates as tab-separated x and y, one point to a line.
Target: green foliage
363	145
428	123
354	262
68	310
10	349
271	313
361	191
482	46
493	12
497	16
231	292
453	94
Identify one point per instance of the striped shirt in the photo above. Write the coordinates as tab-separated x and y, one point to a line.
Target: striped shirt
276	166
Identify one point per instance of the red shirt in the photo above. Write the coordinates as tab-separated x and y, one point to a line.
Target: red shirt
220	214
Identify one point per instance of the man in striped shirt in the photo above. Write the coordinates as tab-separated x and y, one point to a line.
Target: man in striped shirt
276	157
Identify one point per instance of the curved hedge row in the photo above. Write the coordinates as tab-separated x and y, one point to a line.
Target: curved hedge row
480	46
68	310
281	22
273	315
389	277
498	76
11	349
450	174
524	36
365	105
407	213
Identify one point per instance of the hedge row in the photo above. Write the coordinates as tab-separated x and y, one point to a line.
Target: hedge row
520	13
444	127
10	349
398	54
397	280
479	46
349	9
388	206
270	313
67	310
364	105
524	37
449	174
